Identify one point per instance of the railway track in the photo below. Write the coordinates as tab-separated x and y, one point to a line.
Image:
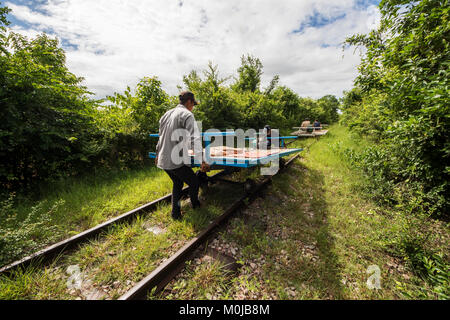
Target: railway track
166	271
169	268
50	252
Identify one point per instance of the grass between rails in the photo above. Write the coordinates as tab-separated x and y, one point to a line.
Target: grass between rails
122	256
318	237
315	236
73	205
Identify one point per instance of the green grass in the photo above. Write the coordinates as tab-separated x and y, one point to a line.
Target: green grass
323	232
121	256
318	235
73	205
206	281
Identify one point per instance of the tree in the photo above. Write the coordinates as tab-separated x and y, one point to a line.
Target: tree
329	105
289	103
404	79
249	73
3	22
216	109
150	104
46	114
273	84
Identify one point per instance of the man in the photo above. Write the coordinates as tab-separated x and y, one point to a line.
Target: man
306	123
267	133
306	126
175	121
316	125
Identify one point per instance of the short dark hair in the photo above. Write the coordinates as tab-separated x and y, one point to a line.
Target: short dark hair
185	96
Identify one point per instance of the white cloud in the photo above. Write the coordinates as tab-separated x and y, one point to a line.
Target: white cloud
118	42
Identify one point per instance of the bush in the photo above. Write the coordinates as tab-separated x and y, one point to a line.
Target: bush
401	101
21	236
411	236
431	267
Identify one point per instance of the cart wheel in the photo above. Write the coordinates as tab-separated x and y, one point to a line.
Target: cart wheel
282	163
249	184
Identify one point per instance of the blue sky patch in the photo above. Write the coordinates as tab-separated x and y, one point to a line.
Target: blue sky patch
363	4
34	5
317	20
67	45
154	47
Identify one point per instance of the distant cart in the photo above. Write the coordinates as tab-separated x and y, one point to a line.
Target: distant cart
309	131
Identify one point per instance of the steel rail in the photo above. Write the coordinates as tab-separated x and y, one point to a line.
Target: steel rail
53	250
170	267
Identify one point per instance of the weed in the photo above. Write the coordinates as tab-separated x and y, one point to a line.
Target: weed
20	237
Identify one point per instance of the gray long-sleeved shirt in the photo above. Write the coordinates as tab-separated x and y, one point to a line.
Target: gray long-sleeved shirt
177	128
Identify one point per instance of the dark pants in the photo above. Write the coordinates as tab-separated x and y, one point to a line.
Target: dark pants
179	176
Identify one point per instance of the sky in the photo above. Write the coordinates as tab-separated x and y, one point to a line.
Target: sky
115	43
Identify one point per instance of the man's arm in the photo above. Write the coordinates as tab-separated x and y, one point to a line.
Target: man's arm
196	142
158	145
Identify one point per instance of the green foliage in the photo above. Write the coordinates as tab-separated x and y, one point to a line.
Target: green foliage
46	118
51	128
17	236
3	22
329	106
410	234
428	264
401	100
273	84
243	105
250	73
216	108
149	104
3	12
128	118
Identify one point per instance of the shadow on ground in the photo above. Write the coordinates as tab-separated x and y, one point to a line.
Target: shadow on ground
300	258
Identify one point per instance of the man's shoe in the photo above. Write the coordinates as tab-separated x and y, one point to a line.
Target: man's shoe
177	216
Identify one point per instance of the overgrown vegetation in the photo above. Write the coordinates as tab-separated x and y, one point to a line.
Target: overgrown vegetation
243	104
316	233
69	207
125	253
37	227
52	128
56	141
401	103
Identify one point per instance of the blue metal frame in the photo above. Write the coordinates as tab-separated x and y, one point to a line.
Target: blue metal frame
204	134
234	162
282	143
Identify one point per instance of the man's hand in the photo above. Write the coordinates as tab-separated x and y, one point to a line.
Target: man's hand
156	161
205	167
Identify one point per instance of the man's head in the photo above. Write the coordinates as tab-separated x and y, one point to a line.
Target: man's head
187	99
